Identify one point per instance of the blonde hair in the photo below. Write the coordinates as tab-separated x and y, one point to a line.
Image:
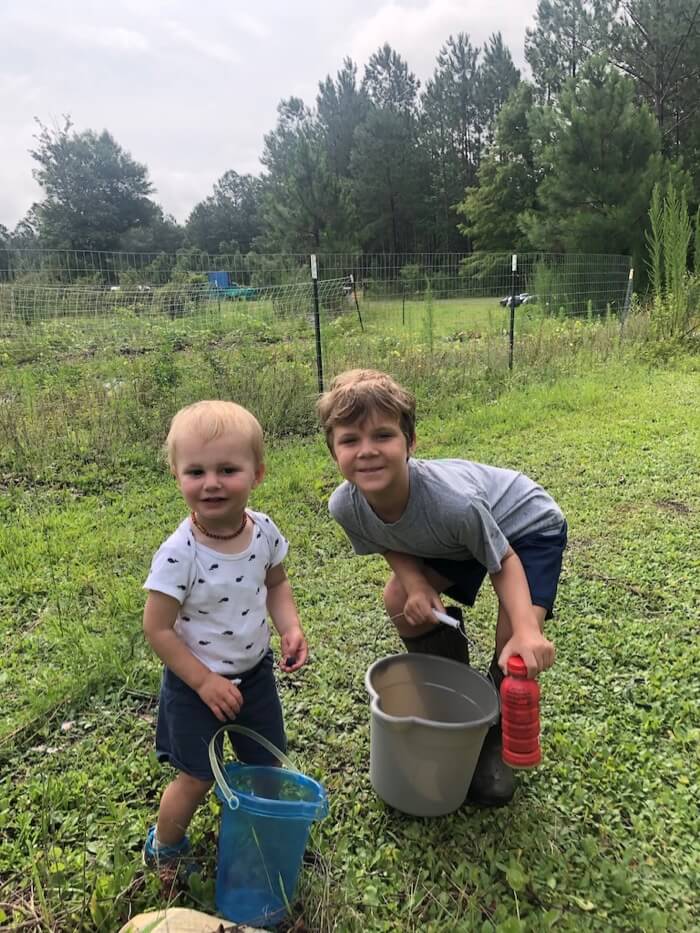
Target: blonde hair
357	394
209	420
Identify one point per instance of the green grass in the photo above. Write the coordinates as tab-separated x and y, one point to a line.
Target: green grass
87	334
603	836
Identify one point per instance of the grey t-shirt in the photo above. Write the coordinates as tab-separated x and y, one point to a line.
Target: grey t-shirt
456	510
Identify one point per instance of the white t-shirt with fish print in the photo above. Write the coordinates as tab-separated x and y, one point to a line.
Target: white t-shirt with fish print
223	615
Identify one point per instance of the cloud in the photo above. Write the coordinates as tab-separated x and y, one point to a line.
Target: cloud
18	189
192	90
205	46
106	37
75	29
19	87
418	32
247	24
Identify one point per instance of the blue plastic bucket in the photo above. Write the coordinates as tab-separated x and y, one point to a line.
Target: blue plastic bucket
265	821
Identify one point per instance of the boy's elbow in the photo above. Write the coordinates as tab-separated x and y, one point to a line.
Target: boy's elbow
510	553
148	632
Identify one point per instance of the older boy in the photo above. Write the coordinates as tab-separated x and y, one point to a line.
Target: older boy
442	525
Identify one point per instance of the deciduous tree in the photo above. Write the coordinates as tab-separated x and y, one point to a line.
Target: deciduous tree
231	215
94	190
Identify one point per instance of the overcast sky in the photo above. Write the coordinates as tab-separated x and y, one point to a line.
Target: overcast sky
190	89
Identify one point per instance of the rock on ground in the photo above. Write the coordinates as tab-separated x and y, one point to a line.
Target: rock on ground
183	920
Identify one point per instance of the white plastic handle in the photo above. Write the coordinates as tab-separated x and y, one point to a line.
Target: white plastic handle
443	617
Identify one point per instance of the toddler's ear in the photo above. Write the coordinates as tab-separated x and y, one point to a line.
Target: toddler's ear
259	475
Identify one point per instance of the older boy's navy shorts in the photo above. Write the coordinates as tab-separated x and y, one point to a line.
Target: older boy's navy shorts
186	725
540	554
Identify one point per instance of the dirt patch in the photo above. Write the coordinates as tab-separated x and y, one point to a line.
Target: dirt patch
673	505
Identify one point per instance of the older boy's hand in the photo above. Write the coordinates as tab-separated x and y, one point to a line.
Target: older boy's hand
419	605
536	651
222	696
294	649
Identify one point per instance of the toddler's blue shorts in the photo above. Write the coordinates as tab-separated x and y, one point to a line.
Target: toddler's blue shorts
186	725
540	554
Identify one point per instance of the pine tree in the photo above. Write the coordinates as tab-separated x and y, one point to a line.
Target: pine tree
387	164
566	34
657	43
507	181
600	159
341	107
304	205
497	79
230	215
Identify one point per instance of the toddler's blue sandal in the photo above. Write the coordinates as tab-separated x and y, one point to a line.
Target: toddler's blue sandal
168	857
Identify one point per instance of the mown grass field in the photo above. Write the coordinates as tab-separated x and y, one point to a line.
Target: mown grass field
603	836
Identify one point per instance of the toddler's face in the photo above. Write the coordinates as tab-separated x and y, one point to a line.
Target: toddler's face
373	454
217	477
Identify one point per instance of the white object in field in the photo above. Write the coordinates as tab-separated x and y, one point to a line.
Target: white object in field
443	617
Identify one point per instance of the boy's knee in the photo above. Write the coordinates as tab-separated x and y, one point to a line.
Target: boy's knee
394	596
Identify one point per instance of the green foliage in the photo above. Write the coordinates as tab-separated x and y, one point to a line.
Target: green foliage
655	243
379	166
548	287
388	82
669	242
230	216
566	34
342	106
498	78
451	126
386	170
410	275
305	205
94	190
658	45
601	837
600	157
507	181
429	319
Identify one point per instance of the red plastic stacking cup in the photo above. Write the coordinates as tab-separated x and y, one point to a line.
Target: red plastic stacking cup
520	717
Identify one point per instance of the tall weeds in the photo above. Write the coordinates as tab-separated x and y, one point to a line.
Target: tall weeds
668	243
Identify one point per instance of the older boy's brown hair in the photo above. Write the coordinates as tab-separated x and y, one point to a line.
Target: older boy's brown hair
357	394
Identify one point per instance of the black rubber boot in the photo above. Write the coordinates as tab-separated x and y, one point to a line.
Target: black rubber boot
493	784
442	640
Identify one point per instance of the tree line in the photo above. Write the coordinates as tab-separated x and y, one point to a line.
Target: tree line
477	159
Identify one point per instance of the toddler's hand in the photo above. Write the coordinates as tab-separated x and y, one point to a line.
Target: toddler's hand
222	696
294	649
536	651
418	608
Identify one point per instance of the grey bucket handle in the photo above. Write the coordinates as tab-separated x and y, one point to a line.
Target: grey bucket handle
229	796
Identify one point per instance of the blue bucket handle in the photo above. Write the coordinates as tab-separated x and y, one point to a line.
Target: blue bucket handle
229	796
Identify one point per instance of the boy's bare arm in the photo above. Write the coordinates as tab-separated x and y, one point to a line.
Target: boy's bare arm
421	595
527	640
283	612
160	613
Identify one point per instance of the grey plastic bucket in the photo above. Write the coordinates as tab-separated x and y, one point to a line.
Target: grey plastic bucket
429	717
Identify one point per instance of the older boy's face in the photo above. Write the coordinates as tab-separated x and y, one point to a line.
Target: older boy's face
373	455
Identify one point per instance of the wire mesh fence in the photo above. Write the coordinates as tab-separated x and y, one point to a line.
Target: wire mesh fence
86	369
415	299
569	281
